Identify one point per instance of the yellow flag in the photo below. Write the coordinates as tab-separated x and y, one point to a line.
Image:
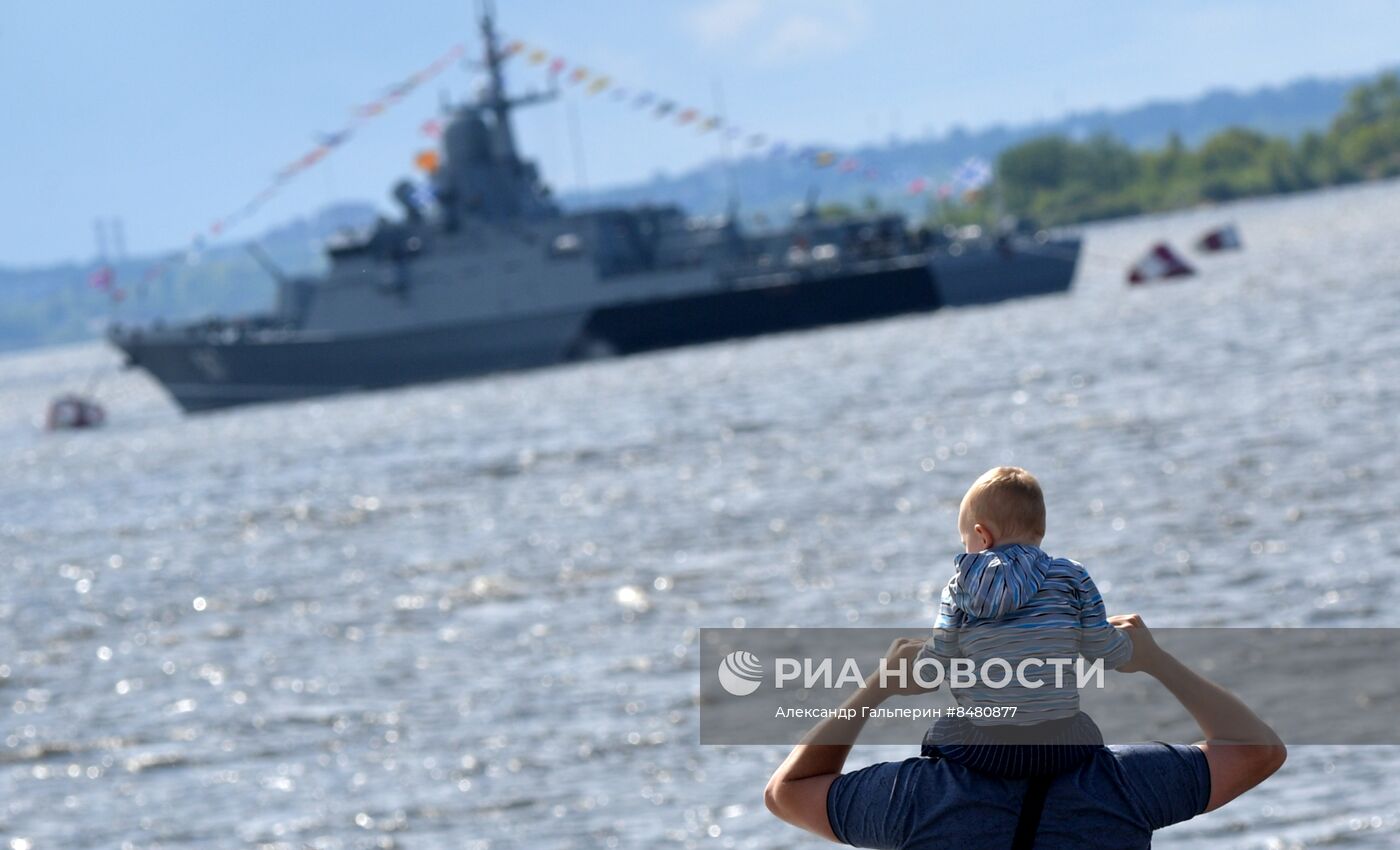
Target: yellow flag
599	84
537	57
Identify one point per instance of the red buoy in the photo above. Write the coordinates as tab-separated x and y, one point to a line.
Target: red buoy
1160	263
73	411
1224	238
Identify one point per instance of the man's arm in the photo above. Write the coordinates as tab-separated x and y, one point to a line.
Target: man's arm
797	790
1241	749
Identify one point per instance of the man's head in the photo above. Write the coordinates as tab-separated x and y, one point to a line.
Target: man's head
1003	506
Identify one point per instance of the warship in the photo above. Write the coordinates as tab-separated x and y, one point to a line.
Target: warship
491	274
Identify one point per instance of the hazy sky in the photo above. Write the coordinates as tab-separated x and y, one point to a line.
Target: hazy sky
171	112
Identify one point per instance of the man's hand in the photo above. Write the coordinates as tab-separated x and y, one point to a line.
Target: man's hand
901	655
1146	652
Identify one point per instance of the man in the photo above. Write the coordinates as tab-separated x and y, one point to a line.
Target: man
1115	800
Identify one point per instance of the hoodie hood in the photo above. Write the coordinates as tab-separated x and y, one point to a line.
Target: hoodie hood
991	584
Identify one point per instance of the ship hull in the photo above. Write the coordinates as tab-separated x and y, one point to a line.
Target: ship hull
202	375
203	371
1030	268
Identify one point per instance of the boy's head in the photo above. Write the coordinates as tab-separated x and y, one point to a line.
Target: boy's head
1004	506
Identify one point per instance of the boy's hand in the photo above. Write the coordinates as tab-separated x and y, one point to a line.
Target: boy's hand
1145	649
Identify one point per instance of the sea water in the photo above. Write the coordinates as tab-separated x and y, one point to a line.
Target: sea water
465	615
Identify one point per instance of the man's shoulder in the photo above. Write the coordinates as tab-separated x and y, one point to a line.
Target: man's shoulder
1123	793
1163	783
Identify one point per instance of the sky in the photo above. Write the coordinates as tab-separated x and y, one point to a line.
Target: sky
169	113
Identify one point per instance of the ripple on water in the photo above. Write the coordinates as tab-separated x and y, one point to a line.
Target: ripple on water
467	612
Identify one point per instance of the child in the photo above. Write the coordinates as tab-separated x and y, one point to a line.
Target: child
1010	600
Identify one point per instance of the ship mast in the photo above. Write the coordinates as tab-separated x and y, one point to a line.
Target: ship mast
495	98
496	91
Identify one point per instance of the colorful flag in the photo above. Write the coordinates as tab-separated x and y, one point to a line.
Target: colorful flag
330	140
313	156
599	84
686	116
102	277
973	174
399	91
423	195
426	160
557	66
432	128
579	75
537	57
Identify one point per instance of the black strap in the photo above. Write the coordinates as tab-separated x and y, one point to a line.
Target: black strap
1031	807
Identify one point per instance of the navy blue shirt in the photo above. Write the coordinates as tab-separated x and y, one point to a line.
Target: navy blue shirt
1113	801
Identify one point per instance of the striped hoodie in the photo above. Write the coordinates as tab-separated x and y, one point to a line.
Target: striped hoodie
1016	602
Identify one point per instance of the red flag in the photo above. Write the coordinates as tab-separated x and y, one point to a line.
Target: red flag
102	277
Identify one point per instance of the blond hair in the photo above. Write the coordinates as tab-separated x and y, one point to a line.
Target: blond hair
1009	499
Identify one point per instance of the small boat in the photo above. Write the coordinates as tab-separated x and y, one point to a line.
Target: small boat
72	411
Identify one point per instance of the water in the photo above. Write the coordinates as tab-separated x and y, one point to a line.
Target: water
465	615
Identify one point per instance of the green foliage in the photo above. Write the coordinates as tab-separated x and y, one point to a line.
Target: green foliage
1055	180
